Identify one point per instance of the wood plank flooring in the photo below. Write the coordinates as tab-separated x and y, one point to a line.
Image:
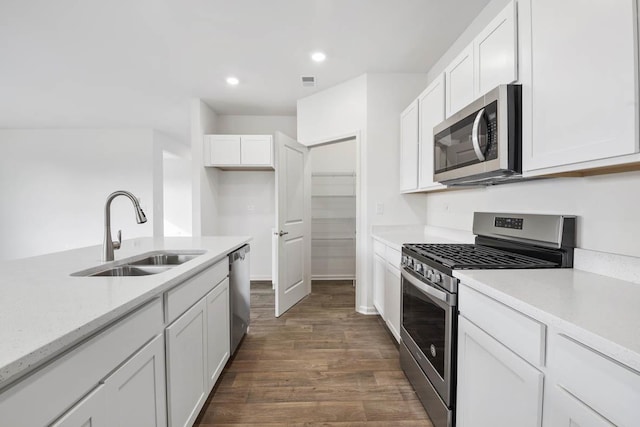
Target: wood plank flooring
321	363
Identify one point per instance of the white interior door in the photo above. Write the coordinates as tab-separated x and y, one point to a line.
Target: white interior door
293	219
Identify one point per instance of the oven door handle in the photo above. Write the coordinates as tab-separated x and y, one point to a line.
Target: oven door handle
443	296
475	136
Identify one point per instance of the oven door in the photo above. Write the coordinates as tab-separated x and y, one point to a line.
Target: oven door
429	327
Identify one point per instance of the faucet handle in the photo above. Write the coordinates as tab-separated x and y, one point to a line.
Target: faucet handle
117	244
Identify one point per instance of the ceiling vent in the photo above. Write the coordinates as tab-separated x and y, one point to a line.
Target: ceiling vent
308	81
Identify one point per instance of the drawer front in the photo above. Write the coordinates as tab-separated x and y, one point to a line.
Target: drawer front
79	370
183	296
520	333
379	248
609	388
393	257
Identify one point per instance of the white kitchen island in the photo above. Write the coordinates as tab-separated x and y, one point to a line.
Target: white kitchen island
61	333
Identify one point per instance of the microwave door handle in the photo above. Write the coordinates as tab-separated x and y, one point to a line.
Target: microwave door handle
475	137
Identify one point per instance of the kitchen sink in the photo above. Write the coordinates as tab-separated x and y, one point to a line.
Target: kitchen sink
129	270
165	259
141	265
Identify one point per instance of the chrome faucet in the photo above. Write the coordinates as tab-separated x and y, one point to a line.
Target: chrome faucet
109	245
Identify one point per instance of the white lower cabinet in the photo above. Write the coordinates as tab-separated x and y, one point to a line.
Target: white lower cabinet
588	388
91	411
387	292
187	379
379	269
136	391
392	301
562	409
495	386
503	357
198	347
218	331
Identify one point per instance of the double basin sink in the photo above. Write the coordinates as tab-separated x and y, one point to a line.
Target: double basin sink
141	265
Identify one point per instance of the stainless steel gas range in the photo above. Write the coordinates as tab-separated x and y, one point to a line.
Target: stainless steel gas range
430	301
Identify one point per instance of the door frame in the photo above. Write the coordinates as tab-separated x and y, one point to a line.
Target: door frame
361	241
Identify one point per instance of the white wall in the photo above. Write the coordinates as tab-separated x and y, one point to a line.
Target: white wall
338	157
54	183
204	180
176	173
334	112
246	199
607	205
258	125
371	105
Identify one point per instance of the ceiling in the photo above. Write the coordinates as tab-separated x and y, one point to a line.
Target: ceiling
136	63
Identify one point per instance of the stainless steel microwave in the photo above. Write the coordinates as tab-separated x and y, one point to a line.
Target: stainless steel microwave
482	143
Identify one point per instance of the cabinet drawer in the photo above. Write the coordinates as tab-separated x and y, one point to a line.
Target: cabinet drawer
608	387
379	248
393	257
78	371
183	296
520	333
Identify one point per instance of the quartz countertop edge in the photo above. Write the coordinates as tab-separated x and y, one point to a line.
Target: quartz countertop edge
598	311
45	311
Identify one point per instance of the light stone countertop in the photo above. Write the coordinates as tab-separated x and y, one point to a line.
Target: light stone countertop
44	310
600	311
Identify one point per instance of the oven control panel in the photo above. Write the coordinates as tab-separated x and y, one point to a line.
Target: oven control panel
506	222
422	269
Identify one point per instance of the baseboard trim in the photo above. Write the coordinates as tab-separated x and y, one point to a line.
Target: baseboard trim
368	310
260	278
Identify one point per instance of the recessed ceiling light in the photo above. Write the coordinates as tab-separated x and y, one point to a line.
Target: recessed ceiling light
232	81
318	56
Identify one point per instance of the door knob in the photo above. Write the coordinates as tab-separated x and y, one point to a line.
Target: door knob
281	233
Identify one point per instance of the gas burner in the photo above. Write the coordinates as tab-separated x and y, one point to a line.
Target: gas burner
469	256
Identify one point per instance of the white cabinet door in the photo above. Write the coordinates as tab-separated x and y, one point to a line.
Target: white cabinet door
256	150
409	148
218	331
459	76
223	149
379	268
136	393
495	386
431	106
392	300
564	410
584	83
91	411
187	385
495	52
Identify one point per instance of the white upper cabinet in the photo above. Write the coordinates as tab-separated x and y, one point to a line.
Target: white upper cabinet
237	152
495	52
409	148
222	150
256	150
584	85
431	112
490	60
459	76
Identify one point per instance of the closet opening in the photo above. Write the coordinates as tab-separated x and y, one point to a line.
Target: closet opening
334	206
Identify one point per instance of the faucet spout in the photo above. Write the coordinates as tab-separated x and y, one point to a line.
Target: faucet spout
108	244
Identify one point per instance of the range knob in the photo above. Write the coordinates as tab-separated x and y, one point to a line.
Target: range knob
437	277
404	260
429	274
419	268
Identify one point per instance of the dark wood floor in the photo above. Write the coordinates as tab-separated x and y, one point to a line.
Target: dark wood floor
321	363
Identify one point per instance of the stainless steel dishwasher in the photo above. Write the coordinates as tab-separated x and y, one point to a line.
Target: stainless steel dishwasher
239	295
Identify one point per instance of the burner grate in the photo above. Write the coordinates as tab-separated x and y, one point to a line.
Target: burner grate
468	256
